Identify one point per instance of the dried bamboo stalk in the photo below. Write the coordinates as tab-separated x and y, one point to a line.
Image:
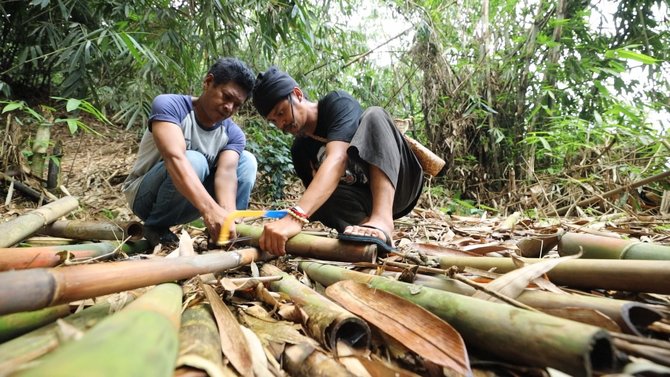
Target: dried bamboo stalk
598	247
13	231
146	330
95	230
310	246
327	322
498	329
51	256
623	275
39	287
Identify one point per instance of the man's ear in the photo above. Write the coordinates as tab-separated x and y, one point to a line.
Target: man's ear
298	94
209	80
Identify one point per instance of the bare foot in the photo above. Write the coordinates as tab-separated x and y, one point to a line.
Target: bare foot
372	230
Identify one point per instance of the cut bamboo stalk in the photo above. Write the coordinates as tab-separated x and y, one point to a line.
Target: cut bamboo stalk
13	231
305	245
51	256
622	275
93	230
40	287
199	344
13	325
598	247
140	340
305	360
327	322
40	146
498	329
19	351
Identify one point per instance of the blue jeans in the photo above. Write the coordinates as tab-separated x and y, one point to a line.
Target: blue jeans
160	205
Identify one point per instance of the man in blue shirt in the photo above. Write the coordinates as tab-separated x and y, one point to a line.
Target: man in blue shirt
191	160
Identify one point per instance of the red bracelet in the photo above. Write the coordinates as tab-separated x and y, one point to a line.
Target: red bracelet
298	212
298	217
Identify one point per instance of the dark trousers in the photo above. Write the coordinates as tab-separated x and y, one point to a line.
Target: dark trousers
377	142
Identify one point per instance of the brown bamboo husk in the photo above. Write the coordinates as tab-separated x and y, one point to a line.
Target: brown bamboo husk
431	163
497	329
327	322
309	246
622	275
51	256
95	230
39	287
199	344
15	230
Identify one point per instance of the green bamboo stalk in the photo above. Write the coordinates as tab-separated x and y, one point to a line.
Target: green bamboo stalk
327	322
497	329
311	246
95	230
633	317
621	275
13	325
599	247
51	256
140	340
40	287
199	344
19	351
13	231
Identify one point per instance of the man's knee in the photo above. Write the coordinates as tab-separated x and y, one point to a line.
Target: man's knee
199	163
247	167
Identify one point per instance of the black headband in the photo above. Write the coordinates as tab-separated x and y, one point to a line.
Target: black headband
271	87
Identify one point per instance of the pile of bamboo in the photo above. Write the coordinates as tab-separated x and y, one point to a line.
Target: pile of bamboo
337	310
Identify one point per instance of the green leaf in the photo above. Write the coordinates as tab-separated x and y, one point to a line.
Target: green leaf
72	125
72	104
623	53
12	106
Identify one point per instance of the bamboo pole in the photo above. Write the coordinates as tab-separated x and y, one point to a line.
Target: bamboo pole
498	329
327	322
199	344
599	247
13	231
95	230
40	287
19	351
564	210
13	325
305	360
51	256
310	246
140	340
623	275
633	317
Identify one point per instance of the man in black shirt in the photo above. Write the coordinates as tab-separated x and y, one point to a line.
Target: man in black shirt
358	170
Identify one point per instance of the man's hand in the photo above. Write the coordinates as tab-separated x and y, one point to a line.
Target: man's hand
275	234
214	219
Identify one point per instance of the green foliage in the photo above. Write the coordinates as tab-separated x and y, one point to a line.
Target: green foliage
272	150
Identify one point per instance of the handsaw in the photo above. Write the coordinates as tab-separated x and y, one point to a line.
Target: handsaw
232	216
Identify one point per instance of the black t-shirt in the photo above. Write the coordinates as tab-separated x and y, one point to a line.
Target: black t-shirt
338	117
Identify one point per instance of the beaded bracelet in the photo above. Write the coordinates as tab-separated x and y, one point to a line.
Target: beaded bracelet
298	216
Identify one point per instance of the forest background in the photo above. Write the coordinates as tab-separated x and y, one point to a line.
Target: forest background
534	104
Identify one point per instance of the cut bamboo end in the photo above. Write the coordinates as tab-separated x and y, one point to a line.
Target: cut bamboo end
431	163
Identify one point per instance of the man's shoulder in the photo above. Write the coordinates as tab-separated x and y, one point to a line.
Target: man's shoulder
173	100
337	95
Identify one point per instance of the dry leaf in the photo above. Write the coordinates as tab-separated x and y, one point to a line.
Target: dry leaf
514	282
416	328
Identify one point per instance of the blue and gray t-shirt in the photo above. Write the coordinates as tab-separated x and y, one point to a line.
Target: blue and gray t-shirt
178	109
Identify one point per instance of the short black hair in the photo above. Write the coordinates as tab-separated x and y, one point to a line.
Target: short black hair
233	69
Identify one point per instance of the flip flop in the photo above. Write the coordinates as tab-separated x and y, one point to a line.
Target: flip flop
386	245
